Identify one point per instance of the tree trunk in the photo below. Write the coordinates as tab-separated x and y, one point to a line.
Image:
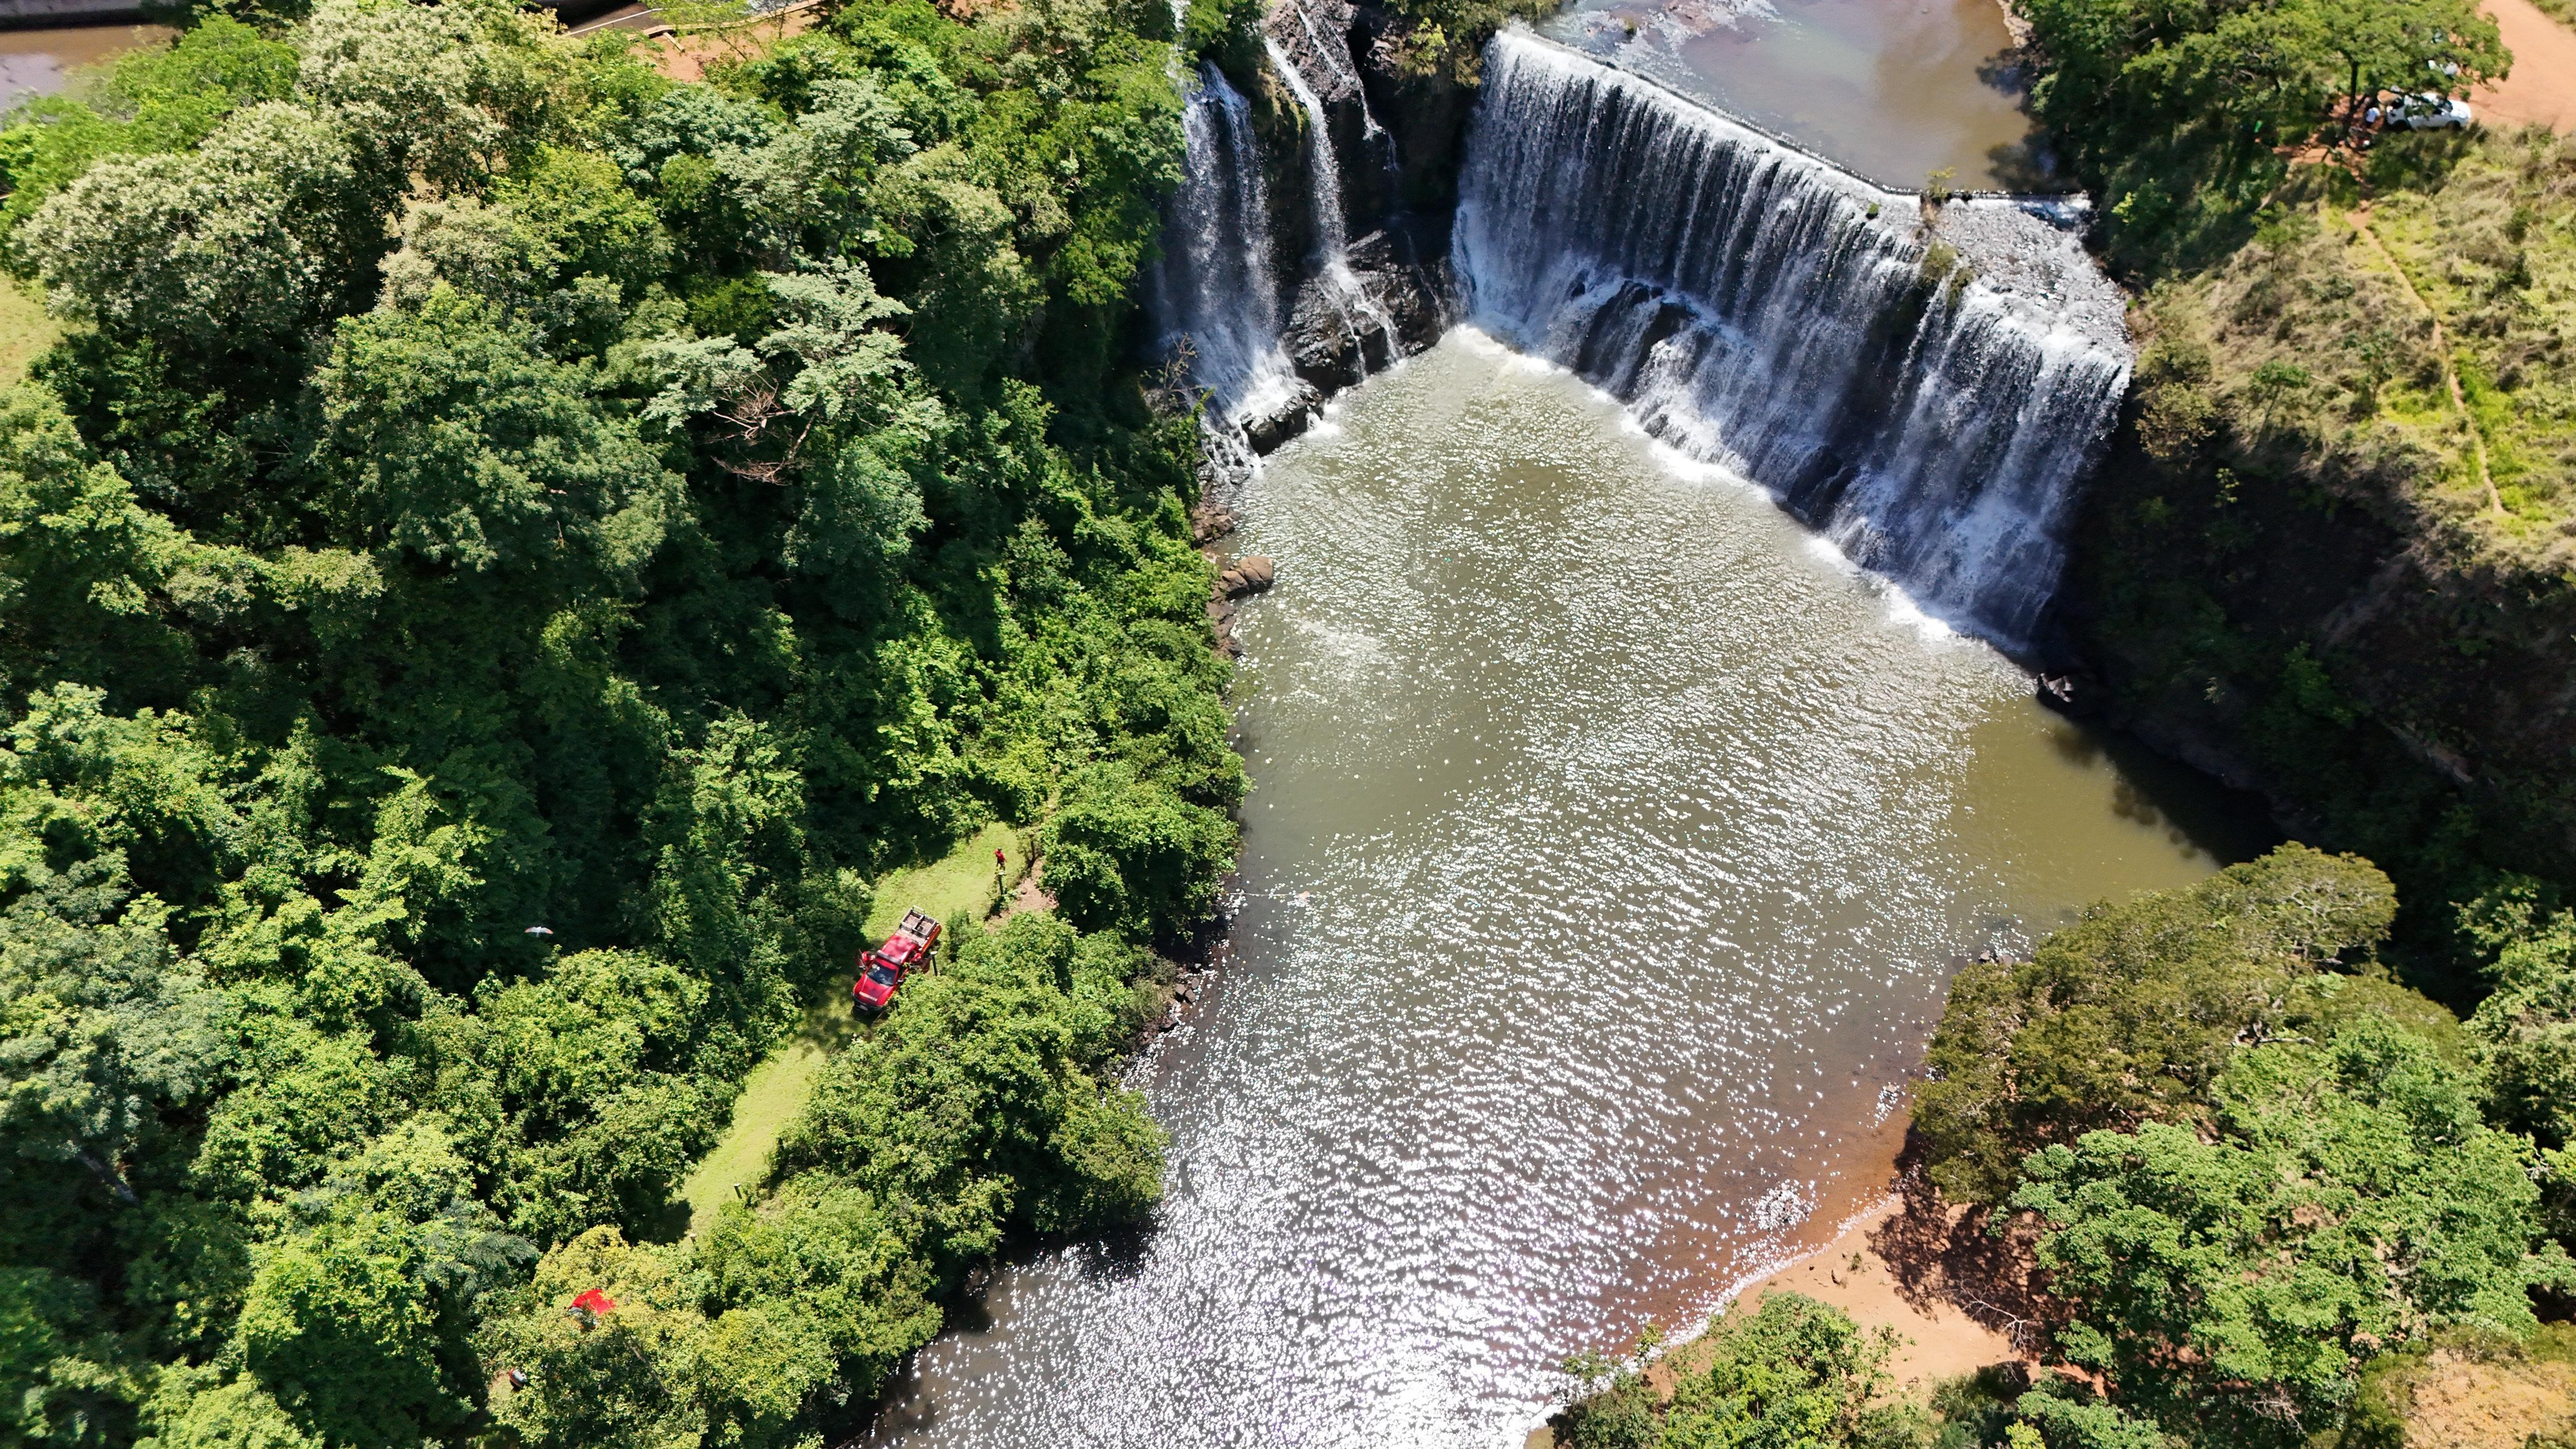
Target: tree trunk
108	1175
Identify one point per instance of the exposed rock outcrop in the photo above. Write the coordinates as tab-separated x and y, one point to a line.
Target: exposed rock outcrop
1334	343
1211	521
1251	574
1364	272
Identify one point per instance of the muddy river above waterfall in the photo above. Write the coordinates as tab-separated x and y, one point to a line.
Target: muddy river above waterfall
1610	846
1892	89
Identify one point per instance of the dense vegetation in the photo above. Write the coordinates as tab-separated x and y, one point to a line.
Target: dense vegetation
2262	1182
2257	1161
508	548
2328	553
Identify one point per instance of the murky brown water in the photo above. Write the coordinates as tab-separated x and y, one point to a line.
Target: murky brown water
1610	846
41	62
1891	89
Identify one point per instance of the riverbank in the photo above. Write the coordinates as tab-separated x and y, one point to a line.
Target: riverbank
1898	1259
1924	1270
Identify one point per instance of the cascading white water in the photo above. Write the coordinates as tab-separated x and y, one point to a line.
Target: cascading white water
1213	287
1336	59
1757	308
1361	313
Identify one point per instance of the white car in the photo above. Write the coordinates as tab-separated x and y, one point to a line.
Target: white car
2430	111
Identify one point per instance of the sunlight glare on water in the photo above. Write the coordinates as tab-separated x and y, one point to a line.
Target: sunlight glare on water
1608	852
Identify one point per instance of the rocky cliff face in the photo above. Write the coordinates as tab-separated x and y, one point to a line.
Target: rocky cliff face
2317	640
1360	205
2291	573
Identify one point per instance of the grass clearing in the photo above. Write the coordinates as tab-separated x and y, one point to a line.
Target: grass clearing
962	882
2335	336
25	331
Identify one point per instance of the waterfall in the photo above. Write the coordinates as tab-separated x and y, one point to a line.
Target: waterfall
1213	287
1336	58
1361	314
1755	307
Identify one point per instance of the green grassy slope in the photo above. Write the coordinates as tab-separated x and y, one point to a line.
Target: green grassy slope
25	331
962	882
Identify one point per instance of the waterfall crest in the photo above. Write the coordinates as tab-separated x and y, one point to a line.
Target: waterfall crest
1757	308
1213	288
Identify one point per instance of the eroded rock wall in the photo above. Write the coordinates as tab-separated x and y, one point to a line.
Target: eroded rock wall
1360	251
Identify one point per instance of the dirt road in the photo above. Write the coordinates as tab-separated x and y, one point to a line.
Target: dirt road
2543	84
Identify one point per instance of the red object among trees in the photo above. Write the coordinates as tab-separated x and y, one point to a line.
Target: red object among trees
882	970
592	1306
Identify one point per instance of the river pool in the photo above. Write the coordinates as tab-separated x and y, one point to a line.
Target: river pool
1610	844
40	62
1892	89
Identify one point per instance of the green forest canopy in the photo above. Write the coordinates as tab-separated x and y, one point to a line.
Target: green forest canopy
486	486
2255	1162
2257	1177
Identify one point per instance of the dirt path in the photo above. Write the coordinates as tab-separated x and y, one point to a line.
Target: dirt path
2442	348
686	57
2542	87
1030	894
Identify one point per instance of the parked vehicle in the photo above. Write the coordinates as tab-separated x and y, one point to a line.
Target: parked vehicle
2428	111
882	970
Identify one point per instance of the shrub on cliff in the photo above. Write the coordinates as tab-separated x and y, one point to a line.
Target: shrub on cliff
2526	1033
1447	37
2130	1014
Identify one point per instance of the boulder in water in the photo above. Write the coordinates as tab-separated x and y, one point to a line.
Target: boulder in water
1208	522
1271	431
1250	574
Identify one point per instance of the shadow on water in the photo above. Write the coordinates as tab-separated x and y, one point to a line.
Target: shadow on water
2026	165
2005	72
981	1309
2194	809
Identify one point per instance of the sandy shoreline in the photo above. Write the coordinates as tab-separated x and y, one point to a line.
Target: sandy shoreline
1895	1258
1865	1273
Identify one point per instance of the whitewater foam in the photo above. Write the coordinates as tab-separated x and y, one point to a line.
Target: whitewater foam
1755	307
